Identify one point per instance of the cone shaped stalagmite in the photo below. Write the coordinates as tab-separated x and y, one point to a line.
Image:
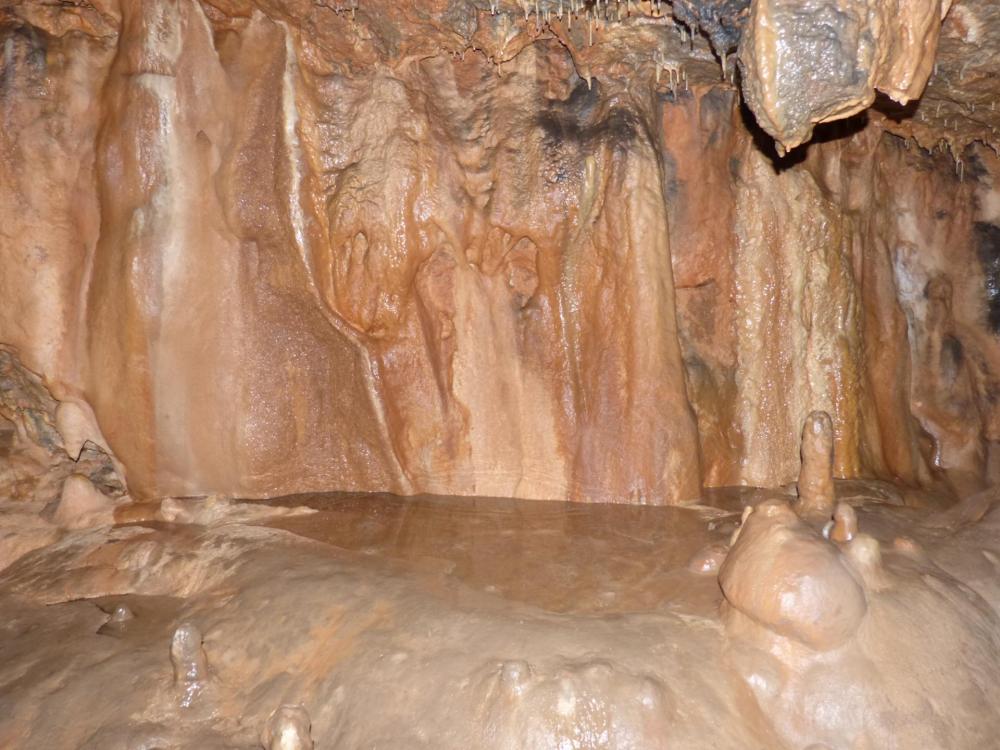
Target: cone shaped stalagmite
288	728
187	655
816	474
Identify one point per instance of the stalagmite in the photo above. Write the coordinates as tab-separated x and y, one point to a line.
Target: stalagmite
288	728
785	577
708	560
815	486
865	554
429	375
845	523
75	426
189	661
122	613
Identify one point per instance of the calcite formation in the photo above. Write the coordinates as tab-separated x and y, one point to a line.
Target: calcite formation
815	485
458	623
820	60
288	728
780	576
304	304
279	247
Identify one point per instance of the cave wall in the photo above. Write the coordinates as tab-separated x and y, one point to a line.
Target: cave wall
266	262
857	277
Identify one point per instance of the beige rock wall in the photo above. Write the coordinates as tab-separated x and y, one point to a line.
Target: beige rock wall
827	280
276	252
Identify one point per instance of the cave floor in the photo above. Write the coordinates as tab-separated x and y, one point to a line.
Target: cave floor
437	622
560	557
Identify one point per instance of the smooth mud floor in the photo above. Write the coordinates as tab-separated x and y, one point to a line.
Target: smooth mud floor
436	622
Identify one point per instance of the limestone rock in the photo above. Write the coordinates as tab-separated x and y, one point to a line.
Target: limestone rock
809	62
82	505
784	576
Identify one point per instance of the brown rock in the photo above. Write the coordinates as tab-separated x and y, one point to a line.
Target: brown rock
785	577
845	523
816	494
274	255
288	728
81	505
809	62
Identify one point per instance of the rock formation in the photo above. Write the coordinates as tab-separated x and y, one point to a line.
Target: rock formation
820	60
190	664
261	248
287	729
815	488
304	304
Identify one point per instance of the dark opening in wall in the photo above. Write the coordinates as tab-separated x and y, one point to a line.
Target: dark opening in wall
988	250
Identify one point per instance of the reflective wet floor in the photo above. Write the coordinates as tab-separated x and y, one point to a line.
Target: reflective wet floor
561	557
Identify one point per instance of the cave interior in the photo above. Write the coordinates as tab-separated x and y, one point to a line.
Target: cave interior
501	374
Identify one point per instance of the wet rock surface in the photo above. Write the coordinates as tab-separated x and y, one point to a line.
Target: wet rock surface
781	578
44	443
739	324
539	255
810	62
445	622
